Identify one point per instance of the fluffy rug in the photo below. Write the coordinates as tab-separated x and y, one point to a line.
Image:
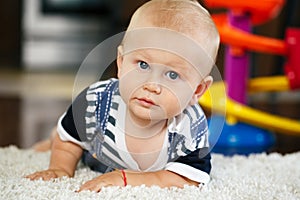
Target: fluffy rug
258	176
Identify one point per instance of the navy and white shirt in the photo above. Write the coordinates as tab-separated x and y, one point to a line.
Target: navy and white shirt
95	121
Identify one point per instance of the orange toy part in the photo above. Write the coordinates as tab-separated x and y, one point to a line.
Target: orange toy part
260	11
236	37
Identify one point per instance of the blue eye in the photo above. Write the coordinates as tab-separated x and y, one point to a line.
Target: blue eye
143	65
172	75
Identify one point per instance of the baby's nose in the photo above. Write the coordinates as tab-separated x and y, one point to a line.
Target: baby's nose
152	87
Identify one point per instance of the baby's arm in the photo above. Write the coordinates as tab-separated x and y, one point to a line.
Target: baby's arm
195	165
63	161
162	178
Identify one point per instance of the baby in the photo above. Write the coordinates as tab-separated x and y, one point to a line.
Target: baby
146	127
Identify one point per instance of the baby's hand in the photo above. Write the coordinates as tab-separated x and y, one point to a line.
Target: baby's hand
48	174
114	178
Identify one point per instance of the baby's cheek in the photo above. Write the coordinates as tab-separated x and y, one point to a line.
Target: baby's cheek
183	96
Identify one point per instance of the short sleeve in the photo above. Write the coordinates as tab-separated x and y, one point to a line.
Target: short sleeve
77	124
71	125
196	166
192	146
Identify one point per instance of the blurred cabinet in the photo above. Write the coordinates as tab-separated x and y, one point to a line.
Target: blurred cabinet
10	33
9	120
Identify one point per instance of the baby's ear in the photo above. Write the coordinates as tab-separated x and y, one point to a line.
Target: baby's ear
119	58
201	89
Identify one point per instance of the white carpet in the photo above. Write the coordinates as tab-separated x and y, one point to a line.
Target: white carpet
258	176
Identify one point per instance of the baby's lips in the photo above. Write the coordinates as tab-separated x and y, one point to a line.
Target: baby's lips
145	102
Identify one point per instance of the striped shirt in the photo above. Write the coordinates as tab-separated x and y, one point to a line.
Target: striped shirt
95	121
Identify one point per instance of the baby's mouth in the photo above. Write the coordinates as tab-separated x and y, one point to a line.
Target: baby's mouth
145	102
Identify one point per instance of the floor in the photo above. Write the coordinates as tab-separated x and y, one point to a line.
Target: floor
30	104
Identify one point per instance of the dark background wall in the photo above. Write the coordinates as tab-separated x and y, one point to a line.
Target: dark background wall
10	33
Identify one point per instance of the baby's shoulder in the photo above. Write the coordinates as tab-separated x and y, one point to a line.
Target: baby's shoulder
101	86
194	113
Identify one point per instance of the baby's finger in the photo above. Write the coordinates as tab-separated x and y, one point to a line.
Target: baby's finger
92	186
31	176
34	176
45	175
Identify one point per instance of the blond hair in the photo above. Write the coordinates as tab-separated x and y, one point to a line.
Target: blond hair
185	16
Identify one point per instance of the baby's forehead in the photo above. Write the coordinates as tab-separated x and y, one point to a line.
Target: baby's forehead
161	57
169	41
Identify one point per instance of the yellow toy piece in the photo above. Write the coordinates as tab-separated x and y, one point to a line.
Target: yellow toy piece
274	84
215	100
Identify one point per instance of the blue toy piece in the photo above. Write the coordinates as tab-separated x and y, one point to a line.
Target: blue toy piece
239	138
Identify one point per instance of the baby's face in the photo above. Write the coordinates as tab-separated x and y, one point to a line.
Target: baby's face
156	84
160	71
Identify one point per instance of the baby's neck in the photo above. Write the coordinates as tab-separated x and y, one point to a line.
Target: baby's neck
143	129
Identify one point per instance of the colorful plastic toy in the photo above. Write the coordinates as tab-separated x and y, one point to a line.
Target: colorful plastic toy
246	130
